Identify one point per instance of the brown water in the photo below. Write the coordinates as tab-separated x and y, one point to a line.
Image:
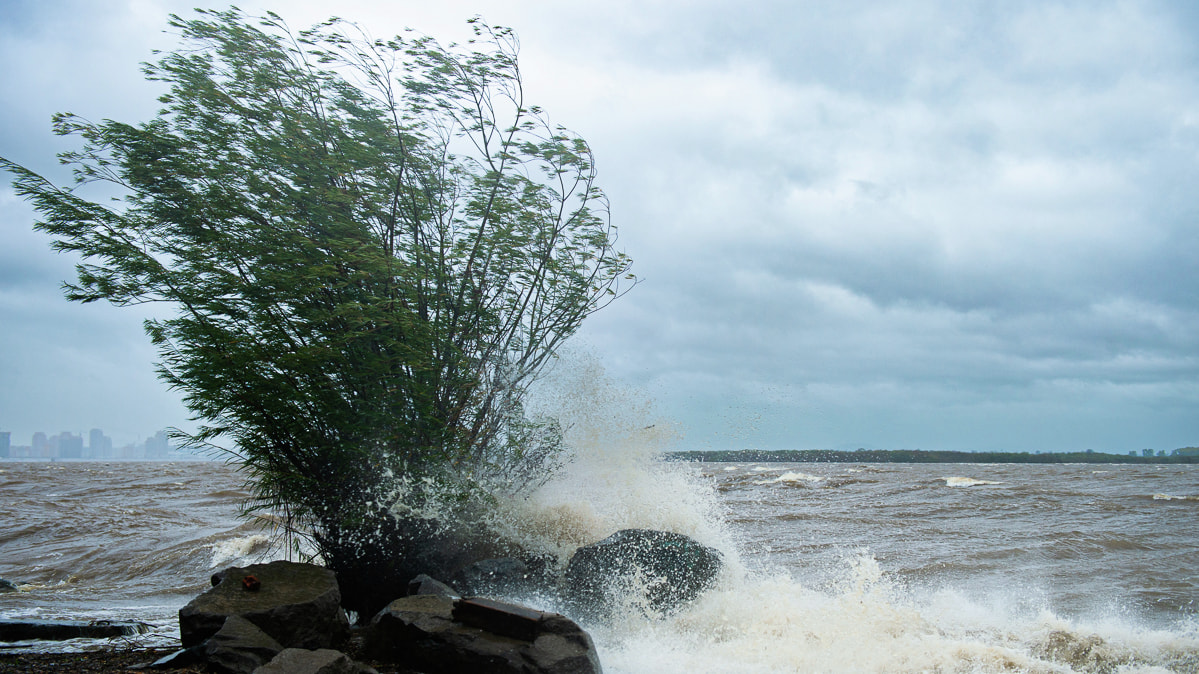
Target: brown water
129	541
831	567
1076	539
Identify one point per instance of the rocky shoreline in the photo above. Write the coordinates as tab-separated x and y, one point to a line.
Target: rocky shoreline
112	661
118	660
287	617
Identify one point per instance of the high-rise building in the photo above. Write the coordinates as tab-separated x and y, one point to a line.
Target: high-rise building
157	446
69	446
99	445
5	439
41	446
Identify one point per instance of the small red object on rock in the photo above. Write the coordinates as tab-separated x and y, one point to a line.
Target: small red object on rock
251	583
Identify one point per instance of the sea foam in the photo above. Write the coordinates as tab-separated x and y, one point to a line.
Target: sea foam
231	550
966	482
793	477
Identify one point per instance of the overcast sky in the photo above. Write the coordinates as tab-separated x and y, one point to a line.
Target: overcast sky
937	225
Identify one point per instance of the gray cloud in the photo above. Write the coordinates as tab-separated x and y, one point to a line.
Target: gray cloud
937	224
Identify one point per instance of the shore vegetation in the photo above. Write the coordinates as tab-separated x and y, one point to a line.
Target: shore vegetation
369	248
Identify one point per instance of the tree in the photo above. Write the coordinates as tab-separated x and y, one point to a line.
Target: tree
371	249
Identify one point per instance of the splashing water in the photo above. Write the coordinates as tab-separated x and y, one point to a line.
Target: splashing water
768	619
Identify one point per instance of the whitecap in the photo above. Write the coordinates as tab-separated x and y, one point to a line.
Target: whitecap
793	477
966	482
234	549
1171	497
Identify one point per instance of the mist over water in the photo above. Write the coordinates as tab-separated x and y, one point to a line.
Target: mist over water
828	567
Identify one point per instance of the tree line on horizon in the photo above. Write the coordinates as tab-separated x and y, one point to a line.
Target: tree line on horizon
1182	455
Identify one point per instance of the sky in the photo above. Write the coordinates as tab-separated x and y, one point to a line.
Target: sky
924	225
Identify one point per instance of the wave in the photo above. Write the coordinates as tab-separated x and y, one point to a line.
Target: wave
966	482
228	551
751	624
1171	497
793	477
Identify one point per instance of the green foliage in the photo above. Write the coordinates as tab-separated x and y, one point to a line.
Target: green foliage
373	247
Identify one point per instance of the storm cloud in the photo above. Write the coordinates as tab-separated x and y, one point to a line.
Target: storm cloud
929	224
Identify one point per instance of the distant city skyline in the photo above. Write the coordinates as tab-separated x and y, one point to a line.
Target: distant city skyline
69	445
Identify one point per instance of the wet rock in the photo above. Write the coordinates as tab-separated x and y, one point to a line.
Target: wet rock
239	647
320	661
298	605
435	634
61	630
7	585
423	584
659	570
509	620
493	578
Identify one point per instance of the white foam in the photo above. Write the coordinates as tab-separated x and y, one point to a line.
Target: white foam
966	482
759	624
232	550
793	477
1171	497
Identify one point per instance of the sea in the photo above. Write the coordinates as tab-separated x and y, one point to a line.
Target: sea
835	567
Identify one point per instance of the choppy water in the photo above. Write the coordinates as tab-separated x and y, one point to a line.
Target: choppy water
128	541
831	567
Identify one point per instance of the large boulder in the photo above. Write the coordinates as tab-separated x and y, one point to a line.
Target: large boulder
656	570
298	605
239	647
436	634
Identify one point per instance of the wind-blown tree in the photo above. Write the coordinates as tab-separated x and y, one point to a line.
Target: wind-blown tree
370	248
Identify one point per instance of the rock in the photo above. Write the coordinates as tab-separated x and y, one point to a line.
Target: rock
662	569
7	585
298	605
423	584
563	648
492	578
421	633
509	620
61	630
320	661
240	647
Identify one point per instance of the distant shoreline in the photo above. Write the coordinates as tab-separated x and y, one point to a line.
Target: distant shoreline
914	456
